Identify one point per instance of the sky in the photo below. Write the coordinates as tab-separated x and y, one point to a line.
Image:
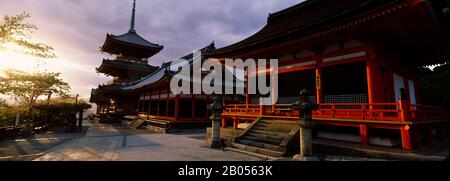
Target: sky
77	28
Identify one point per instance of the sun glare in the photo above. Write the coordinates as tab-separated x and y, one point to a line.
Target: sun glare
10	59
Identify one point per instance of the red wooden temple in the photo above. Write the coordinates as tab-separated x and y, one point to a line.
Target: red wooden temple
159	107
354	56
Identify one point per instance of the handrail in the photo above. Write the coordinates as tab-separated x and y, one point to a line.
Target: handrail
364	111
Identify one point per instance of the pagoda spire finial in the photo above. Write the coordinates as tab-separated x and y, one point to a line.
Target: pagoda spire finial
133	17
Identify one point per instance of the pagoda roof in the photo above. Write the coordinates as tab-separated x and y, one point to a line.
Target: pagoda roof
130	44
164	72
98	97
163	75
114	67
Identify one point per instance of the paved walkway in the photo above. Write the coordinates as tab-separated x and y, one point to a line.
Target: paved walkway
105	142
35	146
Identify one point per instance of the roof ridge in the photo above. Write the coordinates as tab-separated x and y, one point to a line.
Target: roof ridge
294	8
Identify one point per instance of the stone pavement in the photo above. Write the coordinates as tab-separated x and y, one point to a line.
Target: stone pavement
28	149
25	149
104	142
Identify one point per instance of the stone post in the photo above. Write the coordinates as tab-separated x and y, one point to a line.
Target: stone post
16	123
306	124
80	120
216	108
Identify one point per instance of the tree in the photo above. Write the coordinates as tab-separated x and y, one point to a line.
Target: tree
433	85
27	88
3	103
16	33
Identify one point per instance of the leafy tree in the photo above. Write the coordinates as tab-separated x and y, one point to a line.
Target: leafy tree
3	103
14	31
433	85
27	88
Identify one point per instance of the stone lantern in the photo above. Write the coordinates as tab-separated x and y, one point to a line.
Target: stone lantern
306	124
216	109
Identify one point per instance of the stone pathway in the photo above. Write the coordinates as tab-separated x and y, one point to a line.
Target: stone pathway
34	147
104	142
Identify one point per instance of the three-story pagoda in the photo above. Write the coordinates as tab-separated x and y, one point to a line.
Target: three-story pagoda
130	63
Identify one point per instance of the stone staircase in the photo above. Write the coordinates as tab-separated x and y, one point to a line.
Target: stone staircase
267	136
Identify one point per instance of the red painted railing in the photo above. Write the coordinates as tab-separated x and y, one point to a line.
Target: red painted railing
422	112
376	111
379	111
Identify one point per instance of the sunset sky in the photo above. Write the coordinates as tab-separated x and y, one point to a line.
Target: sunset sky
77	28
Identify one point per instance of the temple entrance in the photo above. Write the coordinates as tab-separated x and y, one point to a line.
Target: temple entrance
290	84
153	107
200	109
185	108
145	106
346	83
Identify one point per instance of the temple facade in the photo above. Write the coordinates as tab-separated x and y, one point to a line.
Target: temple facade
159	107
358	59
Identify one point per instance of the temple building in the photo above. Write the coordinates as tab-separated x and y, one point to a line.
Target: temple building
354	57
130	63
160	109
357	59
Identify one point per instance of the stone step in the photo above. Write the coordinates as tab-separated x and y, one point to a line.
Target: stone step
262	140
267	136
271	121
268	133
272	129
272	125
259	145
258	150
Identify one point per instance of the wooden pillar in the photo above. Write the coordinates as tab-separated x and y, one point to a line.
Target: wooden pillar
370	68
159	103
139	105
319	92
193	107
235	122
167	103
224	122
262	110
247	96
177	107
404	107
406	137
272	96
149	105
364	134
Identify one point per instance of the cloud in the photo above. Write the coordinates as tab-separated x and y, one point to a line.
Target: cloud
77	28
